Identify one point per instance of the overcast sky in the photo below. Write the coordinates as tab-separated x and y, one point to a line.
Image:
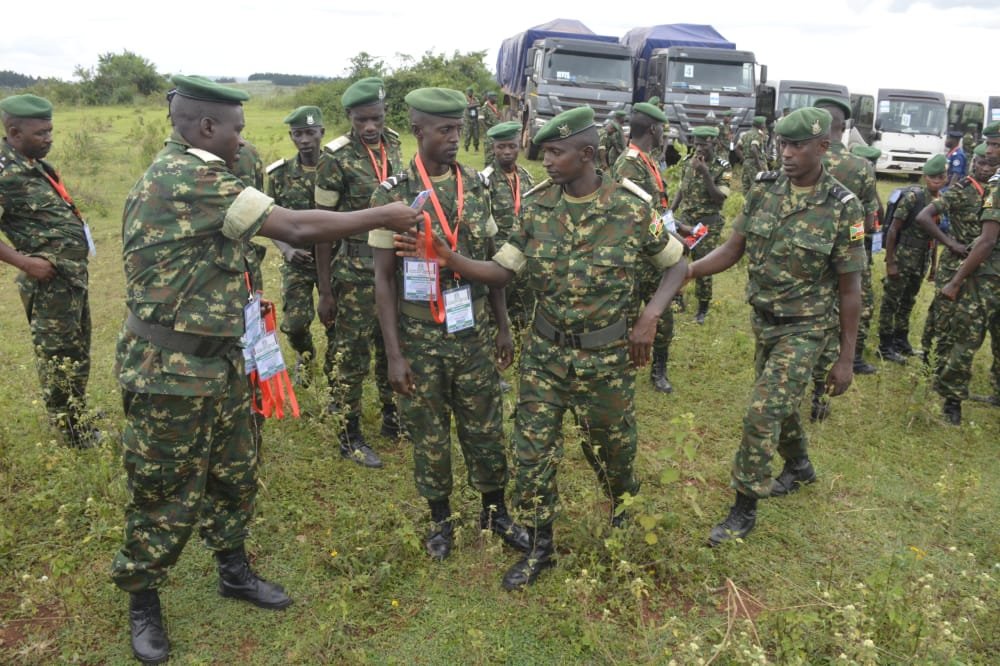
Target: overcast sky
931	44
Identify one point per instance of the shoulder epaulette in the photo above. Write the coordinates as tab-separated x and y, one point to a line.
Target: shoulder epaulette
274	165
841	193
391	132
338	143
393	181
541	186
632	152
766	176
995	178
204	155
487	172
636	190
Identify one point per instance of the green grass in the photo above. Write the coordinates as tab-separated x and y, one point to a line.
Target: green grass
892	557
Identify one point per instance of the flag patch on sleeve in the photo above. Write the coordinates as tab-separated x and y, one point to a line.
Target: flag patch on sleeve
857	231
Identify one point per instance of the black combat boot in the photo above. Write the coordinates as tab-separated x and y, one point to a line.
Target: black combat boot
702	312
541	556
952	411
390	421
658	373
797	472
861	366
354	446
238	581
438	543
820	404
741	519
902	344
887	348
494	517
149	638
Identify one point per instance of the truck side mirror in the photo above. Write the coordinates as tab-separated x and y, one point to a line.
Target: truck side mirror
763	73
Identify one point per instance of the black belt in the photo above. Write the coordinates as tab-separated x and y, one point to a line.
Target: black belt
596	339
185	343
775	320
356	249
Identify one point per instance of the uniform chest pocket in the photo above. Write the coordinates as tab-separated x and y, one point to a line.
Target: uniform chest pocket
808	255
541	255
611	263
759	229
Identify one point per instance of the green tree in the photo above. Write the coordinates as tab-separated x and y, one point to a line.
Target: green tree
118	78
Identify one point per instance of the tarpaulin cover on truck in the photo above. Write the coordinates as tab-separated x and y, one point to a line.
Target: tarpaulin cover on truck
642	41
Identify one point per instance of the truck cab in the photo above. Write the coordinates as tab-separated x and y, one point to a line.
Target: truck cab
963	114
910	127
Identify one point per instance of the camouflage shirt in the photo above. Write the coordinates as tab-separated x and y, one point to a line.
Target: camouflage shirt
797	244
695	202
345	181
612	143
250	169
490	114
963	203
291	184
581	257
855	173
185	231
910	204
502	196
641	169
991	213
753	143
35	218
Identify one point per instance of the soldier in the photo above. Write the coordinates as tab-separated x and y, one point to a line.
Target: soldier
249	168
638	166
188	451
969	138
612	140
751	150
957	159
349	171
290	182
471	119
434	325
50	242
907	257
803	234
700	196
508	183
724	141
490	115
581	238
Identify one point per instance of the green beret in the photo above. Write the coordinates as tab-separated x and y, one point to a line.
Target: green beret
972	126
504	131
839	103
620	113
437	101
304	116
935	166
705	132
198	87
992	131
759	121
870	153
650	110
654	100
980	150
565	125
362	93
470	90
492	94
804	124
27	106
727	113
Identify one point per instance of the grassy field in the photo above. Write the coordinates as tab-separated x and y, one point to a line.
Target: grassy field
891	558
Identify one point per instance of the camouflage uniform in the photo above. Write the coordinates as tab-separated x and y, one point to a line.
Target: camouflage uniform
345	181
968	143
471	127
796	246
696	206
39	223
490	115
753	144
250	169
912	258
520	300
611	144
581	258
454	374
188	450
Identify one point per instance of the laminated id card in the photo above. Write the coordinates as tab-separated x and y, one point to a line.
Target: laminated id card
91	248
458	309
419	279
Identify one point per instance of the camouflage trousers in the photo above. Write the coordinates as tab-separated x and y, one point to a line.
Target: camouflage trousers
348	357
976	313
941	317
649	280
470	132
487	151
298	308
603	402
59	318
454	376
710	241
784	363
900	294
189	460
867	302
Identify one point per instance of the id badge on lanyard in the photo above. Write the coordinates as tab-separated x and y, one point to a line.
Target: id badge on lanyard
458	309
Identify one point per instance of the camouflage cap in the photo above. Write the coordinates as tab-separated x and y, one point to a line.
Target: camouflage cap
867	152
804	124
206	90
935	166
826	102
650	110
437	101
363	92
27	106
705	132
565	125
504	131
759	121
304	116
992	131
980	150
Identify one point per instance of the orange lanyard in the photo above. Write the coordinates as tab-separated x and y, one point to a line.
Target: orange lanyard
656	175
437	304
515	188
61	191
382	173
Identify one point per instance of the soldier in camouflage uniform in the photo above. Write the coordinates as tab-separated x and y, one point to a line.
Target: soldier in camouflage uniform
907	257
724	140
349	171
188	451
490	115
751	148
49	238
611	142
291	183
638	165
471	119
803	234
249	168
969	138
436	341
581	239
702	192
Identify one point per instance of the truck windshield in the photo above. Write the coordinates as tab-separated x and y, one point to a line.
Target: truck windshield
912	117
730	77
798	100
589	69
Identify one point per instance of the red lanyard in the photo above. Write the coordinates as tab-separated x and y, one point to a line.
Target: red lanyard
515	188
382	173
437	305
656	175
